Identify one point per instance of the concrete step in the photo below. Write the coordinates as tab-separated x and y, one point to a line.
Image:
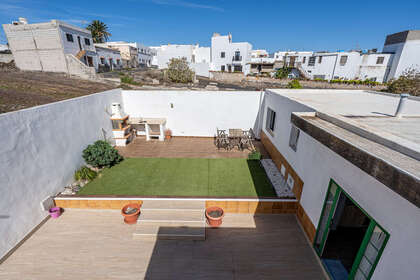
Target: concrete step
173	204
166	217
154	232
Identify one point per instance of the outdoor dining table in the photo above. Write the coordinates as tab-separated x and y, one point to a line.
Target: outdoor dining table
235	136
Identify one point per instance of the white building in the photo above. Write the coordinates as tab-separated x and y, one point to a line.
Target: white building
197	57
52	46
406	49
229	56
108	59
3	47
259	53
129	52
144	53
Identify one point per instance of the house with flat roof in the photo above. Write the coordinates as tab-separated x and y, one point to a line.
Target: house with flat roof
334	192
52	46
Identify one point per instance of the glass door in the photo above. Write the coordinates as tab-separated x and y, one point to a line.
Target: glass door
326	216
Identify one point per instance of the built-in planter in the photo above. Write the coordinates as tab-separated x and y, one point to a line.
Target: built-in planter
214	216
131	213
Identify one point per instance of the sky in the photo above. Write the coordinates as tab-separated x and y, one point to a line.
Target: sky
266	24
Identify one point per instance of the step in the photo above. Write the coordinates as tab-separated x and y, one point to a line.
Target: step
174	204
154	232
171	217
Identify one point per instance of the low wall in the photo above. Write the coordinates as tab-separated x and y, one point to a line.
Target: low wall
40	149
197	113
243	206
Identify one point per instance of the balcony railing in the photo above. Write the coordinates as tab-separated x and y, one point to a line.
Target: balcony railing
237	58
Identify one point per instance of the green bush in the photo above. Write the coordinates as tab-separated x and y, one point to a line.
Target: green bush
85	173
129	80
179	71
255	155
294	84
283	73
101	154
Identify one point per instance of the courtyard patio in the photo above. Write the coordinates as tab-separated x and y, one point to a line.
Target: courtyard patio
185	147
96	244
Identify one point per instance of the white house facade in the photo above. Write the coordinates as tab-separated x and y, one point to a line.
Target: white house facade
108	59
229	56
52	46
405	47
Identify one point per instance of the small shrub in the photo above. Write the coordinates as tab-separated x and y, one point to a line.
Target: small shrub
85	173
408	82
179	71
255	155
129	80
283	73
294	84
101	154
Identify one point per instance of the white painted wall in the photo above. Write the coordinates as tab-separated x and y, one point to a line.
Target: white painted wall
406	57
40	149
316	165
109	56
196	113
224	44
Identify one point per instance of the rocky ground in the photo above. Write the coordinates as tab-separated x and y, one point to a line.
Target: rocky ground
21	89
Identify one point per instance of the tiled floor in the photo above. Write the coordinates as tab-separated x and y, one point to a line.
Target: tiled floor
184	147
95	244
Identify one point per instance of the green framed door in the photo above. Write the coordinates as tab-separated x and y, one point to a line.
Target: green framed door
373	243
328	211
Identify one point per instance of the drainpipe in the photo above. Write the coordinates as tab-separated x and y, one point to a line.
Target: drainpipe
401	105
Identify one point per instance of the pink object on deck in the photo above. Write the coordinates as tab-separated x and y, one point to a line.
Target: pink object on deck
55	212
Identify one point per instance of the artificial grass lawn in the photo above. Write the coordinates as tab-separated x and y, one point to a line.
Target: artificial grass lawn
182	177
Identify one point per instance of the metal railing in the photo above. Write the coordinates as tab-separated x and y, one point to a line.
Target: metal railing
237	58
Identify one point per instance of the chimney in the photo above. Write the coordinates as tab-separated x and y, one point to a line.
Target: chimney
23	20
401	104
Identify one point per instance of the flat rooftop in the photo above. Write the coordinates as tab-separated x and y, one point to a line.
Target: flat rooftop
349	102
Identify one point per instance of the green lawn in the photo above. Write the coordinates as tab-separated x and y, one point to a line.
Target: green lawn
182	177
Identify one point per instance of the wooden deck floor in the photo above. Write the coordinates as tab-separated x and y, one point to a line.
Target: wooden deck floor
183	147
95	244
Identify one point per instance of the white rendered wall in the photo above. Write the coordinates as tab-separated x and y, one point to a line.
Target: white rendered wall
316	165
407	56
196	113
221	44
40	149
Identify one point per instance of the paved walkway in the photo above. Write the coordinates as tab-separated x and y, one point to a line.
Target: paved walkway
184	147
95	244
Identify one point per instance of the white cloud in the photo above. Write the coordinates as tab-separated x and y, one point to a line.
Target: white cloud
187	5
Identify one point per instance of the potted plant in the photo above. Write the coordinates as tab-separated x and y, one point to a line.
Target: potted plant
131	213
55	212
214	216
168	134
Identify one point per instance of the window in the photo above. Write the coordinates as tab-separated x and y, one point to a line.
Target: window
271	120
222	54
222	68
118	61
102	60
343	60
311	61
294	137
380	60
69	37
87	42
319	59
304	60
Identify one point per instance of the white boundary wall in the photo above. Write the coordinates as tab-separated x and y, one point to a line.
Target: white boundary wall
40	149
316	165
196	113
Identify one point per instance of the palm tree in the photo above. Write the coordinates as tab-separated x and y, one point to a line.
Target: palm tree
99	31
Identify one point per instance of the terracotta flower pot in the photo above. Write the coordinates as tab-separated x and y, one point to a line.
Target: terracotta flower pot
214	216
131	213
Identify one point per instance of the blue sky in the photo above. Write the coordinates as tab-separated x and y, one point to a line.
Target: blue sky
269	24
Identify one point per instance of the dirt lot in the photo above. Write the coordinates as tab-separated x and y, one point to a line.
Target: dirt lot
20	89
